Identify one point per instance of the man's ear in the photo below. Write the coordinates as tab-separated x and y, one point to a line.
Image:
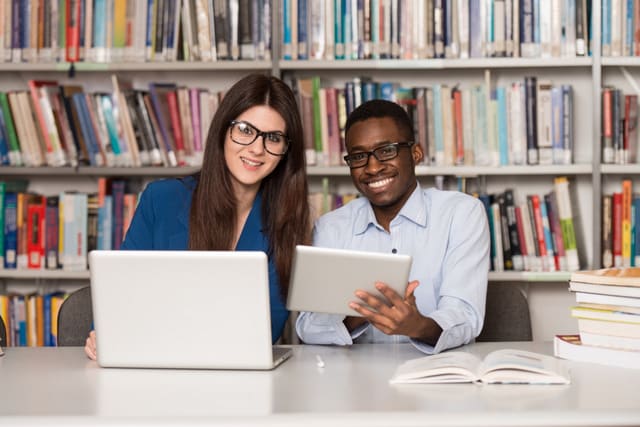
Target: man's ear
417	153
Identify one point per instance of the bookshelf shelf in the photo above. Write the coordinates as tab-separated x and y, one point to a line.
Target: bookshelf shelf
96	171
620	61
44	274
471	171
436	64
631	169
138	66
529	276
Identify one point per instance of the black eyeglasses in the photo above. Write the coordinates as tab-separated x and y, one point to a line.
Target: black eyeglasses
382	154
245	133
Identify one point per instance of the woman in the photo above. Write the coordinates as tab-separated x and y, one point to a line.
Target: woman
250	194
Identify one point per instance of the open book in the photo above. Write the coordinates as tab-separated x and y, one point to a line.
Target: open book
505	366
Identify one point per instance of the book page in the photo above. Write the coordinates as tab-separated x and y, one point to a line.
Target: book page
448	367
517	366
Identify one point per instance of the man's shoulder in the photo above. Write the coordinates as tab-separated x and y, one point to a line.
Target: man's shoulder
343	215
452	199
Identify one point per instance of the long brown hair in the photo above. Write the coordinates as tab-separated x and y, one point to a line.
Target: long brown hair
285	206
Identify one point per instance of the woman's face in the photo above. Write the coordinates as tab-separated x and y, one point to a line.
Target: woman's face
250	164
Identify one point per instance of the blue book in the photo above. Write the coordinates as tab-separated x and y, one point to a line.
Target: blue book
86	127
105	224
629	30
286	30
99	29
10	229
148	42
386	90
475	29
503	137
338	31
557	126
4	142
606	27
548	241
303	37
486	200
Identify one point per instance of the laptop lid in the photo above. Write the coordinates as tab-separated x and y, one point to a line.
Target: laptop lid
181	309
324	280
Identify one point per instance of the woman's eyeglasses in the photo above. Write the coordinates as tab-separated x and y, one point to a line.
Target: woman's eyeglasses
382	154
244	133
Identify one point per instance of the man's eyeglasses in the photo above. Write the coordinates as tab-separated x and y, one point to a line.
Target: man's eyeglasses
245	133
382	154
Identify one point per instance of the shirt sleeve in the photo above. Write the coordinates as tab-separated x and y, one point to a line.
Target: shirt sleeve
461	304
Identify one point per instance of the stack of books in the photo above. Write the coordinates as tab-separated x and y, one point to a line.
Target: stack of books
608	313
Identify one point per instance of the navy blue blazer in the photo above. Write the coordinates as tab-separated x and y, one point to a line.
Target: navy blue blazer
161	222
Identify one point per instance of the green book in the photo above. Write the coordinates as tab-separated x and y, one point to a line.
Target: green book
14	148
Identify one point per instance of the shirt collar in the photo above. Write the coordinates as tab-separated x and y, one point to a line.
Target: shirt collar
415	210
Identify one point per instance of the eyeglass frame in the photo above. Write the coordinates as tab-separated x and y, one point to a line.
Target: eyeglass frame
262	134
397	145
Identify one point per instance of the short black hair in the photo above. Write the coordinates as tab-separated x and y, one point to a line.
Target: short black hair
380	108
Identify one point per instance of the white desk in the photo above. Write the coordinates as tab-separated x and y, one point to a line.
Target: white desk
60	386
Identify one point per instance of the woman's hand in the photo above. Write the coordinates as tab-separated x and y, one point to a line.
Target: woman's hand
90	346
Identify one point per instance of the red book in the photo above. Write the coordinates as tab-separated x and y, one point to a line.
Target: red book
72	47
542	245
35	234
457	125
178	138
333	126
616	226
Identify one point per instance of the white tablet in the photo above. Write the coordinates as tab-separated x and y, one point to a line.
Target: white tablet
324	280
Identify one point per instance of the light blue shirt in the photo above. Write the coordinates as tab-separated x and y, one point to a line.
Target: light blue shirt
447	235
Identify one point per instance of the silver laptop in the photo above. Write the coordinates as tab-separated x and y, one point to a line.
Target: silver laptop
183	309
324	280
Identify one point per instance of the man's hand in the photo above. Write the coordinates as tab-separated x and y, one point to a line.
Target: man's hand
397	315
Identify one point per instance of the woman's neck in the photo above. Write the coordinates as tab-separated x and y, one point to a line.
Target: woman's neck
244	203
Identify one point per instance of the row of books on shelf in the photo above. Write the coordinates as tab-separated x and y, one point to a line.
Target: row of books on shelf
59	125
620	25
134	31
57	232
621	227
537	234
31	319
619	126
418	29
608	314
526	122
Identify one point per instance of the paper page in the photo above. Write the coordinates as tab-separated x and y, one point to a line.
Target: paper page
517	366
448	367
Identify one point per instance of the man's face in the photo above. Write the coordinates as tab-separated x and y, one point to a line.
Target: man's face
387	184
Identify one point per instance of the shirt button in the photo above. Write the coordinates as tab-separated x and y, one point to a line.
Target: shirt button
394	251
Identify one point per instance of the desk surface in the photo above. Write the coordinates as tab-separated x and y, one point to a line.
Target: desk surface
45	386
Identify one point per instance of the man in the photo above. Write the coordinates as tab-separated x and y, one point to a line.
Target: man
446	233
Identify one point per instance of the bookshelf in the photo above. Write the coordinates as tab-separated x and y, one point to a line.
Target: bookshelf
589	177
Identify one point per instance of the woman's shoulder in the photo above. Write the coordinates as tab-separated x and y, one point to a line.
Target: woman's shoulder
172	186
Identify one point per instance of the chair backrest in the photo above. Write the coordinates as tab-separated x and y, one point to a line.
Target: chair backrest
507	315
3	333
75	318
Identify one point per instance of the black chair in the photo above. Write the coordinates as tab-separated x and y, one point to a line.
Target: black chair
507	315
3	333
75	318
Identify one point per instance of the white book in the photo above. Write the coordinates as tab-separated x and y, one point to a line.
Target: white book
316	34
532	261
610	341
419	33
499	30
569	24
544	118
508	27
616	27
447	126
515	16
570	347
202	27
329	49
504	366
556	28
516	125
467	126
463	27
498	256
233	15
565	214
385	37
545	28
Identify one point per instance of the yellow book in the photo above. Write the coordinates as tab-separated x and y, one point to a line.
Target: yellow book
626	222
